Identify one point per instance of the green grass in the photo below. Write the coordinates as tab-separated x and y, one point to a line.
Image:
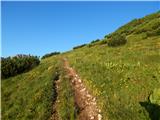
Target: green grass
121	77
29	95
124	79
66	108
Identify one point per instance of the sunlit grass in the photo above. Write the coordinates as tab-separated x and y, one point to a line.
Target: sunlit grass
120	77
66	105
29	95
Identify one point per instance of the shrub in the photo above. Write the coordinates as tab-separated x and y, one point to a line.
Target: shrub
90	45
103	42
50	54
12	66
108	35
94	41
79	46
117	40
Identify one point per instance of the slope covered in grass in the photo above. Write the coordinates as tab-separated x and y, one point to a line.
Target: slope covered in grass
30	95
125	79
122	77
148	26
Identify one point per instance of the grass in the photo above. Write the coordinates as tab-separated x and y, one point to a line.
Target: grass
30	95
120	77
123	79
66	108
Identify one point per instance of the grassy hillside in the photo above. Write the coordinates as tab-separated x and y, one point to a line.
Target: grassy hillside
122	77
125	79
30	95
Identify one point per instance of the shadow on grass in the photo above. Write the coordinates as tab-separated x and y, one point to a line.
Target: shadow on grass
152	109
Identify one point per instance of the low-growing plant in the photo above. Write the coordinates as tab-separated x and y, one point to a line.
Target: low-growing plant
117	40
50	54
30	96
155	97
12	66
153	32
103	42
108	35
79	46
66	107
94	41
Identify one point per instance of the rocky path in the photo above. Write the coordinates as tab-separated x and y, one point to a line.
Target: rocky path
86	103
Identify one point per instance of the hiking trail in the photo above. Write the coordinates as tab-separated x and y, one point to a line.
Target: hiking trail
83	99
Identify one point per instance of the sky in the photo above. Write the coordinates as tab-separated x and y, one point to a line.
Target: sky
38	28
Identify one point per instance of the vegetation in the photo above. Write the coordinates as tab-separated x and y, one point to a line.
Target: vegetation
102	42
122	78
79	46
117	40
30	95
155	96
66	107
125	80
149	23
153	105
50	54
94	41
12	66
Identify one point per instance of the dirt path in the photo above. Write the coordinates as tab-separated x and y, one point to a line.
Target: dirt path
83	99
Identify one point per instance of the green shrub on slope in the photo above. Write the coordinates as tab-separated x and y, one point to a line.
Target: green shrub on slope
79	46
12	66
117	40
50	54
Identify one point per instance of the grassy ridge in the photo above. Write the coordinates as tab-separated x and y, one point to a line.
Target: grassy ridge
148	25
30	95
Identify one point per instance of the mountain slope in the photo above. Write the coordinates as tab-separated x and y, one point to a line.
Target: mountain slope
30	95
121	78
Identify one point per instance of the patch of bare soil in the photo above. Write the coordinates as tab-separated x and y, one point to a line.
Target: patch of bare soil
86	103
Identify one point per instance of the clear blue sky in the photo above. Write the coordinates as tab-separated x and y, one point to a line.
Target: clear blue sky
42	27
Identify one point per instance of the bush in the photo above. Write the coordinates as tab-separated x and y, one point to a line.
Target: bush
108	35
12	66
50	54
103	42
117	40
90	45
79	46
94	41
